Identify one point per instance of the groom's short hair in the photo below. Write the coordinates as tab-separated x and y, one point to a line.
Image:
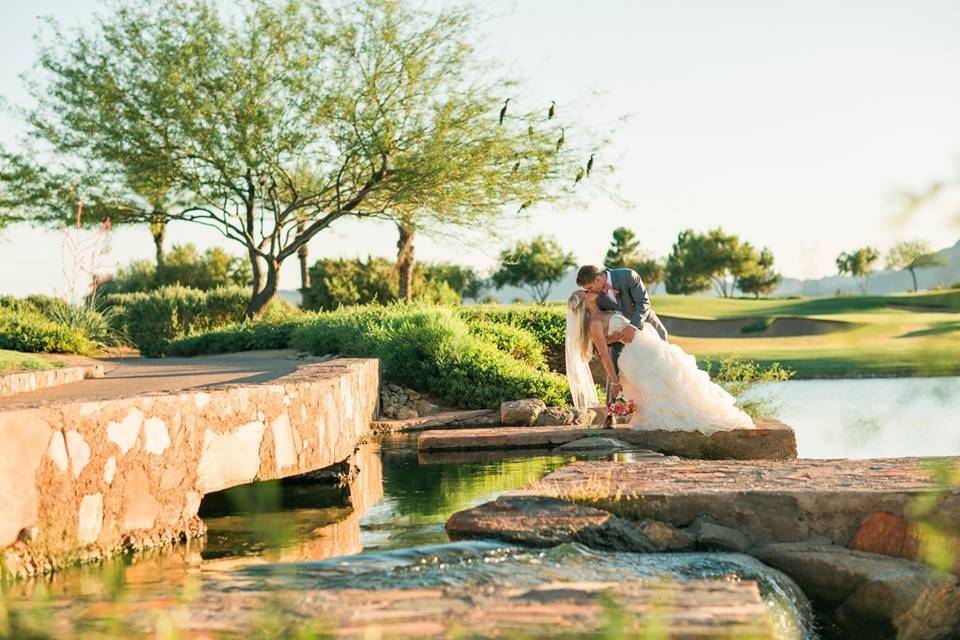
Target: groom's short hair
587	274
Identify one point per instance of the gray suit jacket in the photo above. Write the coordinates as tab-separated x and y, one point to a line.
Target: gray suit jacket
633	301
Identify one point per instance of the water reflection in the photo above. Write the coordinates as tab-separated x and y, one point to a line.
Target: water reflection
871	418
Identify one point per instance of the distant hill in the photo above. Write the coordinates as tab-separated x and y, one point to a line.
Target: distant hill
880	282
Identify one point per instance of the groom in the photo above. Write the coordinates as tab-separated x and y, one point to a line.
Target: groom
621	290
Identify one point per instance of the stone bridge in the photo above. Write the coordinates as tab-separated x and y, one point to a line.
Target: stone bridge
82	478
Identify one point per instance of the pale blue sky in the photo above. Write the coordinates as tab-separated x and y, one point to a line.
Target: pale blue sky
790	123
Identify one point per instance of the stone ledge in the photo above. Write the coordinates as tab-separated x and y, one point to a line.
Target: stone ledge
771	440
80	480
440	420
12	384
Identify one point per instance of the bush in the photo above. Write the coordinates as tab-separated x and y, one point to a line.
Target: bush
183	265
268	333
151	320
433	350
547	324
740	376
518	343
29	331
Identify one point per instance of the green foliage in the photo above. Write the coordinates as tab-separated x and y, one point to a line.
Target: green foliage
699	260
547	324
344	282
247	335
31	332
533	266
741	376
625	253
912	255
518	343
859	264
150	320
183	265
758	276
431	349
345	109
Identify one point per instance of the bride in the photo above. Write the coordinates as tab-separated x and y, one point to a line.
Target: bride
671	392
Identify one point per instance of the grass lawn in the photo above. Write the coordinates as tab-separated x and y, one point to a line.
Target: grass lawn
14	361
915	334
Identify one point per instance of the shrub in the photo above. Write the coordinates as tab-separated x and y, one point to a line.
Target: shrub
518	343
183	265
740	376
547	324
433	350
267	333
151	320
29	331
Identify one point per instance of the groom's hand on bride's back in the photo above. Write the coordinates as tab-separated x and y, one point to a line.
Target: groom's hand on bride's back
626	336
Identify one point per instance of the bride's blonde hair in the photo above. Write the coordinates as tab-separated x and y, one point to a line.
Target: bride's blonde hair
576	304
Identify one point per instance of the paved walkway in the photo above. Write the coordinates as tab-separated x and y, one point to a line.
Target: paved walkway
131	376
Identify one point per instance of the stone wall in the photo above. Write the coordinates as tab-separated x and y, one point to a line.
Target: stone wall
26	381
81	480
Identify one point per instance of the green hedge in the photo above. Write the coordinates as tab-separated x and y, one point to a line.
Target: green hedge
433	350
514	341
151	320
271	333
29	331
548	324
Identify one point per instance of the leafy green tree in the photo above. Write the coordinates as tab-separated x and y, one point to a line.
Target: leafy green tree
912	255
699	260
624	248
758	276
651	270
271	122
859	264
533	266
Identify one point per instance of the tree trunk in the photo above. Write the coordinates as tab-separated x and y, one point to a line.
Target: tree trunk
913	274
303	254
261	297
158	229
406	261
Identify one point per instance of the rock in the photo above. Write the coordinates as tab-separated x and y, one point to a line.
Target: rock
665	537
873	596
716	537
394	388
521	412
544	522
554	417
424	408
594	444
586	417
405	413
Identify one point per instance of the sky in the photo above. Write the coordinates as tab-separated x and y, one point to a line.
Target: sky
792	124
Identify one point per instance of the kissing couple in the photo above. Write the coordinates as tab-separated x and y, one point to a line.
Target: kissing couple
611	314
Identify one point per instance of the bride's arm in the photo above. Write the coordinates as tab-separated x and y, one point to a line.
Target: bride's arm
600	342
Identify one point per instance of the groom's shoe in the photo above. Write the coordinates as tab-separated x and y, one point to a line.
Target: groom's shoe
608	422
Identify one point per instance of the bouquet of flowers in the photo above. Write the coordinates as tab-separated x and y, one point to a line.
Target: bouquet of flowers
620	407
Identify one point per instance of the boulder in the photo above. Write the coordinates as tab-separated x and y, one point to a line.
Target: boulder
554	417
666	537
405	413
545	522
521	412
872	596
716	537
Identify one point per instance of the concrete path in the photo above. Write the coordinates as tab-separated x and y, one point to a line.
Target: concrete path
130	376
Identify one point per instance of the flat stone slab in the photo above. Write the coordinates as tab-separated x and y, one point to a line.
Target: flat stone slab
690	609
783	501
440	420
770	440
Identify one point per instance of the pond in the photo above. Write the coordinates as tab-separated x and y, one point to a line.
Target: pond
387	528
870	417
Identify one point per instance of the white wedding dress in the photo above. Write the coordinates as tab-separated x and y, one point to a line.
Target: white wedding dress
671	392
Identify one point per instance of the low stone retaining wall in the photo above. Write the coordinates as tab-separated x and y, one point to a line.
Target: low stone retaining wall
24	381
81	480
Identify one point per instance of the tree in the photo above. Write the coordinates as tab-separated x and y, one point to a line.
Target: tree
699	260
271	123
912	255
624	248
183	265
758	276
533	266
651	270
859	264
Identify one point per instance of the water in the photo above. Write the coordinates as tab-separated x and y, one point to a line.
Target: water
387	529
871	418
